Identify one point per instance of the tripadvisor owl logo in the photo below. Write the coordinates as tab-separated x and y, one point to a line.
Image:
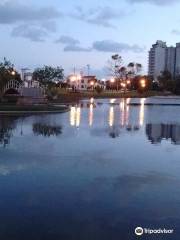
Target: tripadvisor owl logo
139	231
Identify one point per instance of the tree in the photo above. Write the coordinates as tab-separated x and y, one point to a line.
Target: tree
122	73
177	85
166	82
134	68
7	73
48	75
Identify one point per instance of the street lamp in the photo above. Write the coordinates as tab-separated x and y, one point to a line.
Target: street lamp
128	82
143	83
73	78
112	80
13	73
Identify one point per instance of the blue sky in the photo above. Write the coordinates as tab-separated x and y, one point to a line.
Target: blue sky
76	33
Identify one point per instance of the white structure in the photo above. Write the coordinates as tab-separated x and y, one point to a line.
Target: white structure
163	58
82	83
157	59
28	81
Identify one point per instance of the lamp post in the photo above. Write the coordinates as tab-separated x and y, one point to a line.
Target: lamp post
74	79
92	85
112	81
143	83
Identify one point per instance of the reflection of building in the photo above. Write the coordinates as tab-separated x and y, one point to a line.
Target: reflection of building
157	132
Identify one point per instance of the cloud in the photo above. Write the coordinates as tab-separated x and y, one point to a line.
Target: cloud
33	33
27	21
76	48
112	46
12	12
102	16
71	44
74	45
156	2
67	40
176	32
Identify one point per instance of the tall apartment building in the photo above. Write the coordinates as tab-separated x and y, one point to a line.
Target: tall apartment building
177	64
171	60
157	59
163	58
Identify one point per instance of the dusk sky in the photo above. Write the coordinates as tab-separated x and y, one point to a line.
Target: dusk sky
76	33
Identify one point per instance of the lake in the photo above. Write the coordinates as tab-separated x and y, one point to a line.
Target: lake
94	173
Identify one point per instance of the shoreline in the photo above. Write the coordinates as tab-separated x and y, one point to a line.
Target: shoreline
34	109
72	97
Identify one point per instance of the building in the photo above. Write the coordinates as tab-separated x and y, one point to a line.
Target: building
163	58
157	59
171	60
28	80
177	64
82	83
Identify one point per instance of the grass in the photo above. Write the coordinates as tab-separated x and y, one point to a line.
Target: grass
67	97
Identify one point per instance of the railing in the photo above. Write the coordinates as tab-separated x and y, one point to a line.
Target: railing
13	84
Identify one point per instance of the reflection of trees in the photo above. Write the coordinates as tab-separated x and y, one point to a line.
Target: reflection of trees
7	125
46	130
114	132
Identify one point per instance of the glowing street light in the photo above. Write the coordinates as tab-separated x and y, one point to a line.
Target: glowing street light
92	83
13	73
123	85
112	80
143	83
73	78
128	82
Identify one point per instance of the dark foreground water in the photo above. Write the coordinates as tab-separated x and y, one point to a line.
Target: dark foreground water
94	173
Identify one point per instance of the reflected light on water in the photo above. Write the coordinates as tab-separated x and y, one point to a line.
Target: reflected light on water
111	116
141	114
92	100
112	101
75	116
124	109
91	114
78	117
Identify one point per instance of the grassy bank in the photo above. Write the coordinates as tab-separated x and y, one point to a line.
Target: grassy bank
68	97
4	108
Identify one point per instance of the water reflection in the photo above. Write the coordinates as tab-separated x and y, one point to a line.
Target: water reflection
7	126
100	118
91	114
46	130
141	114
158	132
75	116
111	116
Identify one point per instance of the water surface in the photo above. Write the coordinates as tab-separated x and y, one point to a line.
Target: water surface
94	173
